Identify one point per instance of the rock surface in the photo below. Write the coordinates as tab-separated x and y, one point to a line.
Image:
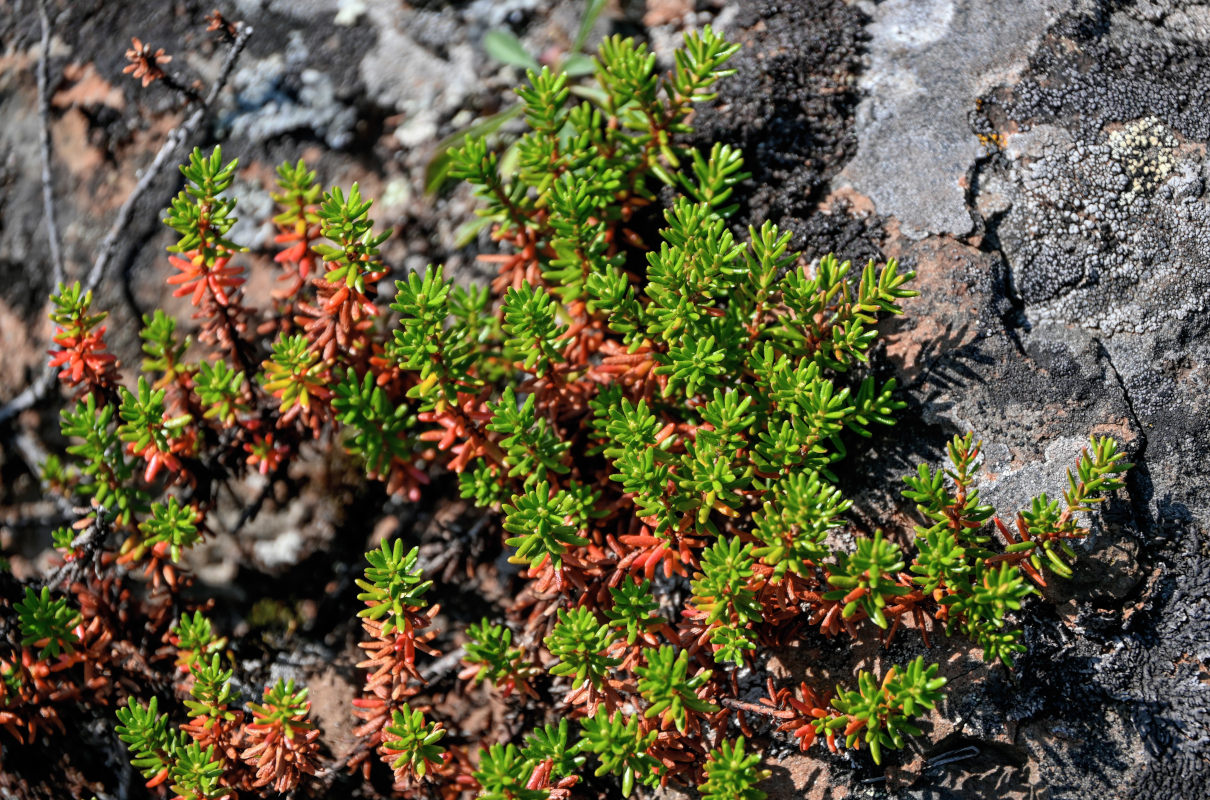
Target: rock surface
928	62
1066	145
1044	171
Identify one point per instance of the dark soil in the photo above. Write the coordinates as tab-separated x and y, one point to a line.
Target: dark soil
789	108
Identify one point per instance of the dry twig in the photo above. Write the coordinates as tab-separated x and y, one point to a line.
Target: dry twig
48	196
38	390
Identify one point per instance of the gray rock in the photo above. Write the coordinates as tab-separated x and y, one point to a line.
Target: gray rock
498	13
281	94
1093	215
300	9
399	73
1112	234
928	62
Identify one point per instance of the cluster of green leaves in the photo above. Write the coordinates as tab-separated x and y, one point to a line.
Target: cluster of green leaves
866	578
1098	471
551	744
378	430
531	447
620	746
721	592
442	355
669	690
533	329
567	138
172	524
732	774
71	310
577	164
63	538
299	192
107	475
200	214
955	561
544	524
163	752
505	771
414	742
211	691
982	613
146	427
221	390
952	552
787	422
195	639
800	509
293	372
163	351
393	587
491	652
506	48
47	623
159	752
353	252
880	714
503	775
957	511
581	644
633	609
643	468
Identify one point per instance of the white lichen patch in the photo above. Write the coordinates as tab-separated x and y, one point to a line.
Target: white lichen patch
1146	149
1113	234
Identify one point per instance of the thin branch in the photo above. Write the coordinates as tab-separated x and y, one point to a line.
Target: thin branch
89	543
757	708
48	195
38	390
443	666
177	137
33	394
32	452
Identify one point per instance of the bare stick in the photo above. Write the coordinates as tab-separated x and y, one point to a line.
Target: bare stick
178	135
757	708
37	390
88	544
48	194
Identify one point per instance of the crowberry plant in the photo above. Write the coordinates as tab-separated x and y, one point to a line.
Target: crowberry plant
580	643
413	743
152	746
621	747
80	341
490	656
879	713
650	403
671	693
47	624
732	773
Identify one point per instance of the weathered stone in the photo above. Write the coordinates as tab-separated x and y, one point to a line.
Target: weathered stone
929	61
